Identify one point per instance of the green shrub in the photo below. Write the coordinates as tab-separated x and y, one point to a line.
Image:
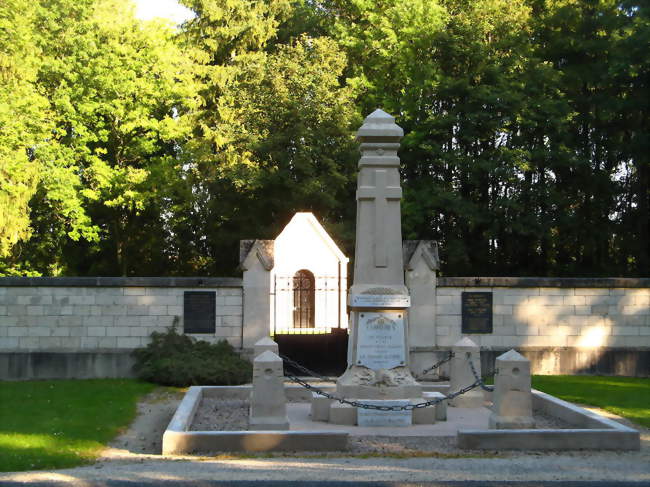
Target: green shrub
172	359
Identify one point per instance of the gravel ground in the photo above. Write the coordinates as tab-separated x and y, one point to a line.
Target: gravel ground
135	455
232	415
220	415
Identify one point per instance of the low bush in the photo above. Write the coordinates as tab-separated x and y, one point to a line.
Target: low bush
173	359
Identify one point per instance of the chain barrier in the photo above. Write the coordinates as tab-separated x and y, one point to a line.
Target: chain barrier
438	364
304	369
479	379
406	407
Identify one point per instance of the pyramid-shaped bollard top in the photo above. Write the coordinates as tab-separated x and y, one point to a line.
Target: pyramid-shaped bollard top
379	124
512	356
265	344
513	372
465	344
267	357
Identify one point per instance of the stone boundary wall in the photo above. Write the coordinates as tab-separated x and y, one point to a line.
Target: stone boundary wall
99	321
554	282
550	312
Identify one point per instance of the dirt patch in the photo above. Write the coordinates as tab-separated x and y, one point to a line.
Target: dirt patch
144	435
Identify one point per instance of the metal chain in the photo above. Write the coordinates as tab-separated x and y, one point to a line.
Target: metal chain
480	379
304	369
438	364
406	407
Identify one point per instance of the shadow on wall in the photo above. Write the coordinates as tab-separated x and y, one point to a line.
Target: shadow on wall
586	331
565	361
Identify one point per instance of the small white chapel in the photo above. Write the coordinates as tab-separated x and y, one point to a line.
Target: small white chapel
308	277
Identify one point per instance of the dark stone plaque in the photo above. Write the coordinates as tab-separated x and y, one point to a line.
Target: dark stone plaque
477	312
199	311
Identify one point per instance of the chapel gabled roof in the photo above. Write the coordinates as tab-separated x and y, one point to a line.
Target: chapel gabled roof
313	222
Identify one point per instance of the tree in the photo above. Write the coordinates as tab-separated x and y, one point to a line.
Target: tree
273	136
117	91
23	122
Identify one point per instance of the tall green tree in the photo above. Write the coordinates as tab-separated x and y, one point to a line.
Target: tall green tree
273	135
118	90
23	122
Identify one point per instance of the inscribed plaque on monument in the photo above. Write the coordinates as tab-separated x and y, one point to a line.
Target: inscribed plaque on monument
381	343
380	301
199	310
374	417
477	312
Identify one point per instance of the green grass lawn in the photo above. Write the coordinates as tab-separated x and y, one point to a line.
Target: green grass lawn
625	396
62	423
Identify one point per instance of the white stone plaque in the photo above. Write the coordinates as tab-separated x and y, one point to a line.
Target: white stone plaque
380	301
380	343
373	417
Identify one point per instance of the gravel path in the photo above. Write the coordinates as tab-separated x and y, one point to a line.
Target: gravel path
135	455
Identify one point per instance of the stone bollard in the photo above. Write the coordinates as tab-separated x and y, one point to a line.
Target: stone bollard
320	407
460	374
263	345
513	402
268	409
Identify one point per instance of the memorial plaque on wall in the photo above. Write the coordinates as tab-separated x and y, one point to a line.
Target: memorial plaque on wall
381	343
477	312
199	311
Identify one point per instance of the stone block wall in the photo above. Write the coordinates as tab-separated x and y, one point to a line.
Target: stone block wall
112	316
563	325
528	313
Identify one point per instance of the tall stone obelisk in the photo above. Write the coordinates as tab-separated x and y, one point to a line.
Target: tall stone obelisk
378	300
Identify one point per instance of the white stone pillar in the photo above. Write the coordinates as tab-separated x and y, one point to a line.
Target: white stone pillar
461	376
256	294
268	409
512	399
420	265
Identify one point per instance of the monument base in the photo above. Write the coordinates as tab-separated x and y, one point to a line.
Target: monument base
364	383
345	414
375	417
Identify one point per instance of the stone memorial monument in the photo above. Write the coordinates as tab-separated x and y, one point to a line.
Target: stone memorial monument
377	349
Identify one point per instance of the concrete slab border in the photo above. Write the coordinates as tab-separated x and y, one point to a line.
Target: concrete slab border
592	432
178	440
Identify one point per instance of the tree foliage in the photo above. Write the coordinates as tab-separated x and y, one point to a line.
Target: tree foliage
20	134
133	148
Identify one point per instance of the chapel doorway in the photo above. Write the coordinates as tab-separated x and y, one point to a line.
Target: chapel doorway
304	299
307	320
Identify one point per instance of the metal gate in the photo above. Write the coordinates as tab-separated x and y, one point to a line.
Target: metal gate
309	320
